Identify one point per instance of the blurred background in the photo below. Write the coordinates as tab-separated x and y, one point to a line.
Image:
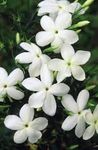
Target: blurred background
19	22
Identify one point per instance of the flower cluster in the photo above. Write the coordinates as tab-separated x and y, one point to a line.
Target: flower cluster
47	76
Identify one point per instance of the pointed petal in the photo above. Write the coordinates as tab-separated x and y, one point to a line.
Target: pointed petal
82	99
34	68
78	73
67	52
49	106
70	122
26	113
24	58
34	136
3	75
20	136
46	75
56	64
63	21
36	100
39	123
80	127
44	38
89	132
81	57
47	23
69	103
13	122
95	113
69	36
15	77
59	89
32	84
14	93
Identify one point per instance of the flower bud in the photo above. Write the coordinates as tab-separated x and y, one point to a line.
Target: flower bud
87	3
17	38
80	24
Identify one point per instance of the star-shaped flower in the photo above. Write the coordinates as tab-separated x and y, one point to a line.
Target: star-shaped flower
45	91
77	110
33	56
25	126
56	32
70	64
92	120
8	84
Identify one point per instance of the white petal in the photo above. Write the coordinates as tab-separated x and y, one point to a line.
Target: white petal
15	77
45	59
32	84
95	113
81	57
35	49
80	127
24	58
82	99
59	89
89	132
69	36
34	136
39	123
26	113
36	100
47	23
89	118
63	20
63	75
34	68
14	93
3	75
69	103
73	7
56	64
44	38
13	122
70	122
46	75
20	136
49	106
26	46
78	73
67	52
57	44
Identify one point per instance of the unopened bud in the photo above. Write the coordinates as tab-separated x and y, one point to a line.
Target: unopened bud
17	38
87	3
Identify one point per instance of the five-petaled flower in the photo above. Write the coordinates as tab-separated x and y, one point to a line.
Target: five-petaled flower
77	112
55	7
8	84
56	32
92	121
25	126
46	91
70	64
34	57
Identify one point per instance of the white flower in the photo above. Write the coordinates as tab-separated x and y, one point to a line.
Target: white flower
92	120
26	128
70	64
55	7
8	84
33	56
56	32
78	112
45	91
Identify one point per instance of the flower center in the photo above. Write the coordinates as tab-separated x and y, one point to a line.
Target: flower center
5	86
79	113
56	31
47	89
38	55
26	125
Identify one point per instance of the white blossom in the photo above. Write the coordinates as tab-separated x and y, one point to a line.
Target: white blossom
8	84
34	57
92	120
56	32
77	110
25	126
55	7
45	91
70	64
